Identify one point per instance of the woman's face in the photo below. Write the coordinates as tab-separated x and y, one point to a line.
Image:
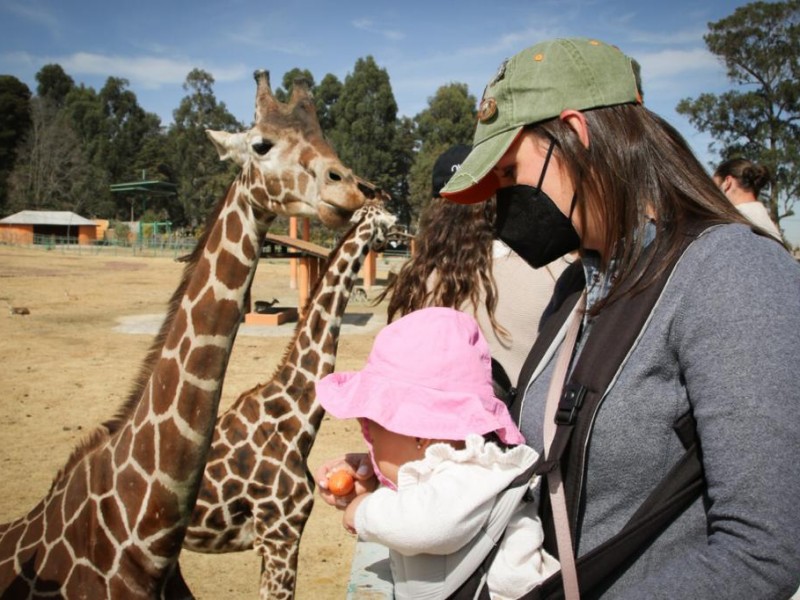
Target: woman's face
522	164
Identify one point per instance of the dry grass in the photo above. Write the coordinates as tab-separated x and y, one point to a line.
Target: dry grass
66	367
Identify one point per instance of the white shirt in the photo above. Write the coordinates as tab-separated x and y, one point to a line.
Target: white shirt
757	214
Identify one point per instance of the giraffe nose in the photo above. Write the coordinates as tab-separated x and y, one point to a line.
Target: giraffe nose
367	190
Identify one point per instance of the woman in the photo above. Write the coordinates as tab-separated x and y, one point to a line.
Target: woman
577	162
458	263
742	181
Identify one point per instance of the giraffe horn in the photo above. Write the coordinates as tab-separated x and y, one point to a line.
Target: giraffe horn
300	90
265	101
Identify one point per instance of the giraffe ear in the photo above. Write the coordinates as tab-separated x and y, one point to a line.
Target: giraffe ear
230	146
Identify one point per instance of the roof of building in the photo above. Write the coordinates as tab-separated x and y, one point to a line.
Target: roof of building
46	217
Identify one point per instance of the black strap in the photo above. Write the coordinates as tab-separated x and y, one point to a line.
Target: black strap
679	488
614	331
569	287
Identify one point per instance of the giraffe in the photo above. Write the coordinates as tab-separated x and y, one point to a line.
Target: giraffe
257	491
114	519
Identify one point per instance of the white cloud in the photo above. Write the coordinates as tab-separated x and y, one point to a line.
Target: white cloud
672	64
369	26
149	72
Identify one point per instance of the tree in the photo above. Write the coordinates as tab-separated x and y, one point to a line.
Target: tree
202	178
365	124
405	143
448	120
15	120
127	125
51	170
284	93
53	84
759	45
113	129
326	95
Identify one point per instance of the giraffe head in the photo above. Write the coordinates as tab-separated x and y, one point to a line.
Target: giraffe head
286	155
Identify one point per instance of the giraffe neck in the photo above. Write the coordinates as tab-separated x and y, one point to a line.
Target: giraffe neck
123	500
312	353
159	453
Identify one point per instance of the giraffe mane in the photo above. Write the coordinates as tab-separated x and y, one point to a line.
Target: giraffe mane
107	429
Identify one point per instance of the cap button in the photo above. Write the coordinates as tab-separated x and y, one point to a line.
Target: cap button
487	110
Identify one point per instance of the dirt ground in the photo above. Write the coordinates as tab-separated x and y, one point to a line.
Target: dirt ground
70	362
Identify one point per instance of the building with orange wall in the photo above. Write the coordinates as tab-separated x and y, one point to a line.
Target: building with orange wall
47	226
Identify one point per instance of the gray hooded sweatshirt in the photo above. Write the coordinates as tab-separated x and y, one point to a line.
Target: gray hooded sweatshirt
724	340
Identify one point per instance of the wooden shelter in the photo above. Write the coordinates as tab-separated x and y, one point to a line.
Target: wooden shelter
306	262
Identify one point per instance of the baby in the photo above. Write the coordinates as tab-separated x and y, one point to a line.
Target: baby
443	448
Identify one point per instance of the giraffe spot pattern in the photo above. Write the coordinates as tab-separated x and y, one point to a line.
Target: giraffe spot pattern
143	452
173	450
167	370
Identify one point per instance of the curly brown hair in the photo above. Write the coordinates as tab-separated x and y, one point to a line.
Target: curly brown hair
452	262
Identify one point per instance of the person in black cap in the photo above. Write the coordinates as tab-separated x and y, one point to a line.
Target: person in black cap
458	263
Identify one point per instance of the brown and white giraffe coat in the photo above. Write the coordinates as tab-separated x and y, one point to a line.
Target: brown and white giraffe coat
257	492
113	522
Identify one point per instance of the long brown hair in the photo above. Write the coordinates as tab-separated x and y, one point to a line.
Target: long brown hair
637	164
452	262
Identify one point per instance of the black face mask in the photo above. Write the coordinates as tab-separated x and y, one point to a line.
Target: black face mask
531	224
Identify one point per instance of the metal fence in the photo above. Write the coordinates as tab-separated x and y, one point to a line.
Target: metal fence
158	246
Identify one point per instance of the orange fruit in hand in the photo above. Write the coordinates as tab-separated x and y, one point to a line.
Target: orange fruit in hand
340	483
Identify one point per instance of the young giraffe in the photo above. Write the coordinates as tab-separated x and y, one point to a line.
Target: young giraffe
113	522
257	491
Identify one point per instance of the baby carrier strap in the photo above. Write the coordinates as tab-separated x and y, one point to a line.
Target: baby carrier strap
469	567
569	287
679	488
614	333
674	493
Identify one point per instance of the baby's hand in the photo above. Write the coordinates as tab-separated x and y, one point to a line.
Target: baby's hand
349	516
358	466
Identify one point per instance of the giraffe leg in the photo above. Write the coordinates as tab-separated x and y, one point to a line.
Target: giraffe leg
175	587
278	532
278	569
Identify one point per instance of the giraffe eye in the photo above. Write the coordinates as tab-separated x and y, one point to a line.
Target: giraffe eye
262	147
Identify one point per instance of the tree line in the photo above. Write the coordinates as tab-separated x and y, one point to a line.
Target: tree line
62	147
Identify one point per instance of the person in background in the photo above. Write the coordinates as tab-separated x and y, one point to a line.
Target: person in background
741	181
444	448
458	263
576	162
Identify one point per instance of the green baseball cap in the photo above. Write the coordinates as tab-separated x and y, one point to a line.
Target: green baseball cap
535	85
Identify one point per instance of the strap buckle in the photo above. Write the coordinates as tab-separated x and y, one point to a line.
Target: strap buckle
570	403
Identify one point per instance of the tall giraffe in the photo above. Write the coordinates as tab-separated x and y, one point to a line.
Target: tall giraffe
114	519
257	491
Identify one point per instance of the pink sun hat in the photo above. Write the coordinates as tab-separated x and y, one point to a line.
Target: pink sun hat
428	375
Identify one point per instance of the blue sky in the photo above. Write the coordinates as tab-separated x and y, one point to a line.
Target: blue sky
422	45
